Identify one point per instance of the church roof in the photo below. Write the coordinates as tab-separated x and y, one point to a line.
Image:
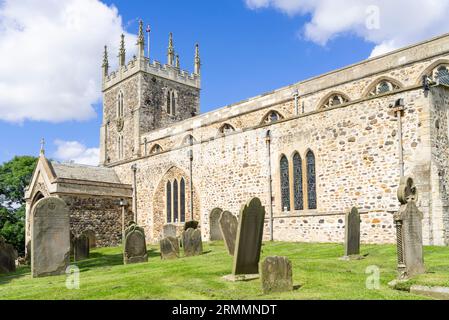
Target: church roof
86	173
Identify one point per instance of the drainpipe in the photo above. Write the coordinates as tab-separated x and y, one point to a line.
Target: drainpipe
190	155
270	191
134	169
399	109
296	96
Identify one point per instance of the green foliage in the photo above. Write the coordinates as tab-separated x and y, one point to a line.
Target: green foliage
15	175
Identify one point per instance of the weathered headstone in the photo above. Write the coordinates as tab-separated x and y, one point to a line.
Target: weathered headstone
8	256
276	274
81	247
249	241
169	248
352	233
169	230
228	224
215	232
135	248
50	237
191	225
409	231
192	243
90	234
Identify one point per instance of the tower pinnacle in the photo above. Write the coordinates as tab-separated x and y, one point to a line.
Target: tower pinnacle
141	41
197	69
42	152
105	62
122	52
171	50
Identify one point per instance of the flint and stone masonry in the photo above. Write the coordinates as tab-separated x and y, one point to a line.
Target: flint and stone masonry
346	117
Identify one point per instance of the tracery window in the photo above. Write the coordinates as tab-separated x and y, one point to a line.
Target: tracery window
285	184
156	149
168	199
188	140
442	75
226	128
311	180
183	200
335	100
176	201
272	117
120	105
382	87
297	182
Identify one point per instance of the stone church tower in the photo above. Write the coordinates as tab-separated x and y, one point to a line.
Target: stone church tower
143	96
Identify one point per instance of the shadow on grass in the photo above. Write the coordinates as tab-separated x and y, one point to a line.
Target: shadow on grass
20	272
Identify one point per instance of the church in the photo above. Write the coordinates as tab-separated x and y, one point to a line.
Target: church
310	151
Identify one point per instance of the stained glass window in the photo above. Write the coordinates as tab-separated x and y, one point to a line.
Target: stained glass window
297	182
311	180
285	184
183	200
168	202
443	75
175	201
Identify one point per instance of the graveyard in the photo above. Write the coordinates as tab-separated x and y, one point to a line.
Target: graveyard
318	273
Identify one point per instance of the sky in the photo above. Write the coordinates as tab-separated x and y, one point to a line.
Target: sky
51	54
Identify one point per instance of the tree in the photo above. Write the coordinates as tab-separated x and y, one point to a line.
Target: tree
15	175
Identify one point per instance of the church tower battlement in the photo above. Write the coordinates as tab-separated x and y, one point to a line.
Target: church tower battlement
142	96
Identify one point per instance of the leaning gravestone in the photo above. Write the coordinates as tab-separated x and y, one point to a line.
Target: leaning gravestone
228	224
169	248
192	243
8	256
276	275
50	237
169	230
191	225
249	241
81	247
215	233
352	233
409	231
135	248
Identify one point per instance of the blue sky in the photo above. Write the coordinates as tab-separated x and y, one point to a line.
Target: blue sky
246	49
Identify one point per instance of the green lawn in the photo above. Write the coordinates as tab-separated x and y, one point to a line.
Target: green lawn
317	274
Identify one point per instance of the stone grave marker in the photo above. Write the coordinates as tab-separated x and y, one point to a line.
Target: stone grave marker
192	242
352	233
249	241
169	248
90	234
215	232
169	230
409	231
228	224
50	237
8	256
276	275
191	225
81	247
135	248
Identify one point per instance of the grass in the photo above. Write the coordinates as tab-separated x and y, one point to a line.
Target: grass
317	274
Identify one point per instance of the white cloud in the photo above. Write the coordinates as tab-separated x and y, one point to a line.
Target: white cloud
387	24
74	151
50	57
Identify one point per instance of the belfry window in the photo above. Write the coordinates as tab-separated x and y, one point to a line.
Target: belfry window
120	107
297	182
285	184
173	104
311	181
169	102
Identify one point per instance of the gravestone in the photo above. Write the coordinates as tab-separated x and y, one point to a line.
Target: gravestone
352	233
192	243
228	224
72	238
169	230
276	275
409	231
215	232
50	237
81	247
135	248
191	225
8	256
249	241
90	234
169	248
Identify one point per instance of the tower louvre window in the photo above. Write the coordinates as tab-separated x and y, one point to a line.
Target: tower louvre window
120	105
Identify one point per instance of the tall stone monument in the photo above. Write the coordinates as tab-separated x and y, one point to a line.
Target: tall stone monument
352	233
50	237
135	248
229	224
215	232
249	241
409	231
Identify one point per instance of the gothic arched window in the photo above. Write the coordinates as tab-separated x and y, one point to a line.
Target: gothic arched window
297	182
272	116
335	100
188	140
168	102
382	87
442	75
226	128
156	149
120	105
168	198
285	184
173	104
120	152
175	201
183	200
311	180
